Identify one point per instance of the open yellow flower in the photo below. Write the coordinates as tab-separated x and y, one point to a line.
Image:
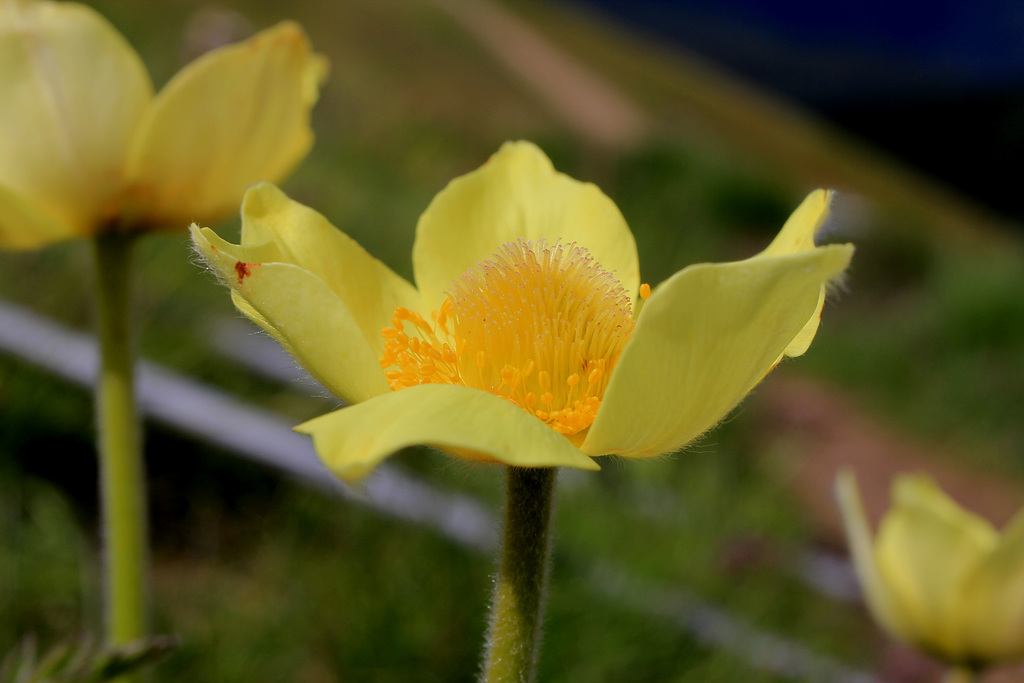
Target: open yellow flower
519	342
939	577
86	147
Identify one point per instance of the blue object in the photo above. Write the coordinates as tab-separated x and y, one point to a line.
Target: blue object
833	52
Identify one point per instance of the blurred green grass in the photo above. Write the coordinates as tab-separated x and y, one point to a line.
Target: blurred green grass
265	581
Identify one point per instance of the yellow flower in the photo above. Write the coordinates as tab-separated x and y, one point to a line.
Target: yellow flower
520	342
85	146
938	577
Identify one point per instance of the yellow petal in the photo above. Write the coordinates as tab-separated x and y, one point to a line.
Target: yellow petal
370	290
798	232
232	118
73	92
797	235
802	341
705	337
880	600
992	599
354	440
926	547
517	193
301	312
24	225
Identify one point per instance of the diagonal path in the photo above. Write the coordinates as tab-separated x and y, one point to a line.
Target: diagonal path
588	104
251	433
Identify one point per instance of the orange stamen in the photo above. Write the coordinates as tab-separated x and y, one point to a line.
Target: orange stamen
527	325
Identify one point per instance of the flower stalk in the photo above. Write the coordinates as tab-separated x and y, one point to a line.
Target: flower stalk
517	609
122	478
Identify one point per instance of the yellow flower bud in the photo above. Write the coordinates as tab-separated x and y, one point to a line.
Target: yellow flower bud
938	577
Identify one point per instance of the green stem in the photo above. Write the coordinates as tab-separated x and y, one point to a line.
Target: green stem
513	637
122	477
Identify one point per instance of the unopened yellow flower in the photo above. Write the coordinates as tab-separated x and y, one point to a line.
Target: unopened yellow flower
939	577
520	342
86	147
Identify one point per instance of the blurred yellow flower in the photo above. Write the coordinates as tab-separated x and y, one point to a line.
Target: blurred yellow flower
86	147
938	577
520	342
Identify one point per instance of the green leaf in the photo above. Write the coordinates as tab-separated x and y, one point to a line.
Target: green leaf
81	660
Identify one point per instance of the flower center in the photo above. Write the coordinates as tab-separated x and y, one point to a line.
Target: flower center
540	325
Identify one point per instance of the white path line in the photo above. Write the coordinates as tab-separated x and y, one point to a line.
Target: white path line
252	433
586	102
255	434
715	628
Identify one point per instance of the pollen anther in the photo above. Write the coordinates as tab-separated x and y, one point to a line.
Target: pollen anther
527	325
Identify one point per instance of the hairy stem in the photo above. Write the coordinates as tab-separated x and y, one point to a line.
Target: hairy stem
517	610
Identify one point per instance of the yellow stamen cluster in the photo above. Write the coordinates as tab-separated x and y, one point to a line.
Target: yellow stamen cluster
541	325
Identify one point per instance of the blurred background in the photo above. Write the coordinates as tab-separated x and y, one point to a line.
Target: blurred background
707	123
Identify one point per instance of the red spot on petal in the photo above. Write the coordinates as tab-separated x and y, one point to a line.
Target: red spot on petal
244	270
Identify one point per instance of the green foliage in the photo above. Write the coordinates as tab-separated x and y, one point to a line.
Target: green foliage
943	354
81	661
43	559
